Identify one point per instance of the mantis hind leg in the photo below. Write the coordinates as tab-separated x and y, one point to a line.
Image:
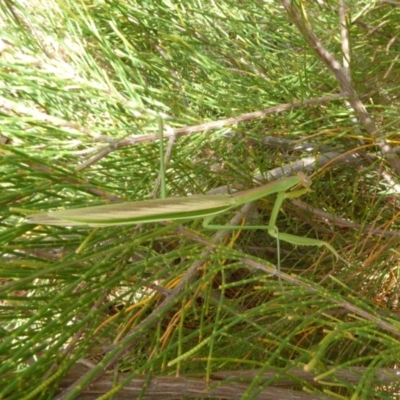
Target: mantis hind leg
301	241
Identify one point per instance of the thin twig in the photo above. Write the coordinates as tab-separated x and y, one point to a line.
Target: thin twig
337	221
343	80
187	130
311	287
206	127
351	374
391	2
345	38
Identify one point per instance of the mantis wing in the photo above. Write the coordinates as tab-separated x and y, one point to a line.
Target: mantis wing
138	212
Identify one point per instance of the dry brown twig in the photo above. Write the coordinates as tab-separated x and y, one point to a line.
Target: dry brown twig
301	21
206	127
337	221
178	387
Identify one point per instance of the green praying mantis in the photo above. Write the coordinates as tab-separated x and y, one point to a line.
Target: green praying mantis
187	208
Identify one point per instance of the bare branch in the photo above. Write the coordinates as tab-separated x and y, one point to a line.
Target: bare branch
343	80
174	387
345	39
337	221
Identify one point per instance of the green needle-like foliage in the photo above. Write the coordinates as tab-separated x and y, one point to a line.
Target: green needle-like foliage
173	310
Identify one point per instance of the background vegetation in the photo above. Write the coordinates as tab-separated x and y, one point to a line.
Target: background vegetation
173	311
